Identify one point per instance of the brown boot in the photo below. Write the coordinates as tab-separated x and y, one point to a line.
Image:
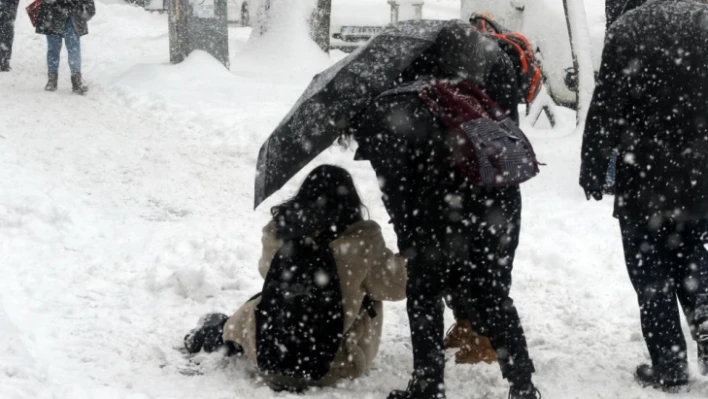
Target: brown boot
77	84
458	334
478	349
52	82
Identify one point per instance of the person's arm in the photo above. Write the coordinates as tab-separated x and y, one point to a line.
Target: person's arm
605	119
89	9
503	88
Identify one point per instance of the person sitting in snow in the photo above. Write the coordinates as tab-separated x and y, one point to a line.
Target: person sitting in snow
322	229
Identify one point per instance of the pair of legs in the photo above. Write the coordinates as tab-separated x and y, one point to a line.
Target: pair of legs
73	47
471	261
668	265
8	14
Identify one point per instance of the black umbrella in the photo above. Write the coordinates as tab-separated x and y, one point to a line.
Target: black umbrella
338	94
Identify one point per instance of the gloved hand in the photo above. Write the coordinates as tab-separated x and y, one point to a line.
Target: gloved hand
593	193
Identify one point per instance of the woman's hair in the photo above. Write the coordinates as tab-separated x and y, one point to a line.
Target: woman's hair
327	203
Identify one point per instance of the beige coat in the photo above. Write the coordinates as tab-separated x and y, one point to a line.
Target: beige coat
365	266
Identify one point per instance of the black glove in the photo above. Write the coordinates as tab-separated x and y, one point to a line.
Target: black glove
593	193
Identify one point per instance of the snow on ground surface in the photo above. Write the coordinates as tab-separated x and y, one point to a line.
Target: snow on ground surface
126	214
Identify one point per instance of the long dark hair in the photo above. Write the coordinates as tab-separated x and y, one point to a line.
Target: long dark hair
326	204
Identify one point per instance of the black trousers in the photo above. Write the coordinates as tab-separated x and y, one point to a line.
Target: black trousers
466	252
8	13
667	264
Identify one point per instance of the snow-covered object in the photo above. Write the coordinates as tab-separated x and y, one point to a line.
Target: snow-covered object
544	23
582	47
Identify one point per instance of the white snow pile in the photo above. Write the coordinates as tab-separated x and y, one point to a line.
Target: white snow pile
127	214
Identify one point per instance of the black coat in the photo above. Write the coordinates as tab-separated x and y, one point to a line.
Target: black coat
651	105
415	185
54	13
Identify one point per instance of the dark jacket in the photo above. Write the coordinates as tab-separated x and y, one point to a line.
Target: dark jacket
54	13
651	105
404	156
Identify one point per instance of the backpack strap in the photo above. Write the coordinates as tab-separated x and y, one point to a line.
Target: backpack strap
368	305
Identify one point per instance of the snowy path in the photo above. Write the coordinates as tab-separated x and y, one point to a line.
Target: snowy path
126	214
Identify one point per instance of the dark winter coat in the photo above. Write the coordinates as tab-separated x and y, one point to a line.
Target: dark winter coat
651	105
406	163
54	13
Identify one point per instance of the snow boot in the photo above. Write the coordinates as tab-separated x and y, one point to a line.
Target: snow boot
477	349
703	358
77	84
524	390
52	82
421	387
702	338
207	335
670	381
458	335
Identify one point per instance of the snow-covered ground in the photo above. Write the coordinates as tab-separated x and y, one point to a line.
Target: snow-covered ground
126	214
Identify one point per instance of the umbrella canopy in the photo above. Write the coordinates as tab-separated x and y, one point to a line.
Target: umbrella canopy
335	96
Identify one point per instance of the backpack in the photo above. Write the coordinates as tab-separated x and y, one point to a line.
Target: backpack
485	147
299	321
519	49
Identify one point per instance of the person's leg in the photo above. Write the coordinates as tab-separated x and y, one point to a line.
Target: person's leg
649	264
424	290
495	237
73	47
8	13
54	44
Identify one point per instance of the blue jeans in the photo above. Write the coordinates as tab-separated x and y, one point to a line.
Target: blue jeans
73	46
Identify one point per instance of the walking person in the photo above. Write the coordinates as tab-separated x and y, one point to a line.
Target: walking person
649	106
67	21
459	239
8	13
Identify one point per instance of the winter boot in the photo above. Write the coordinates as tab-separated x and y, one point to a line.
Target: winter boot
668	381
478	349
703	358
77	84
52	82
702	338
458	335
207	335
421	387
524	390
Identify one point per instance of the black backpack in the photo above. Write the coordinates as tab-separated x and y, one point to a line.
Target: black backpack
299	321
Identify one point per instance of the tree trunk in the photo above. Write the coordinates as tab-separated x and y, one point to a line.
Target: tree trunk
320	24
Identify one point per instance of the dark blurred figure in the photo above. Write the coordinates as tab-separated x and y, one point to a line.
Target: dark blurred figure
650	107
8	13
460	240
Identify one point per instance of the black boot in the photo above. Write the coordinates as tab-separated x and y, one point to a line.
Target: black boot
523	389
669	380
77	84
703	358
52	82
207	335
421	387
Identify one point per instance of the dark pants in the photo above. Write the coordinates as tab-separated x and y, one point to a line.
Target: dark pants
8	13
467	253
667	261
